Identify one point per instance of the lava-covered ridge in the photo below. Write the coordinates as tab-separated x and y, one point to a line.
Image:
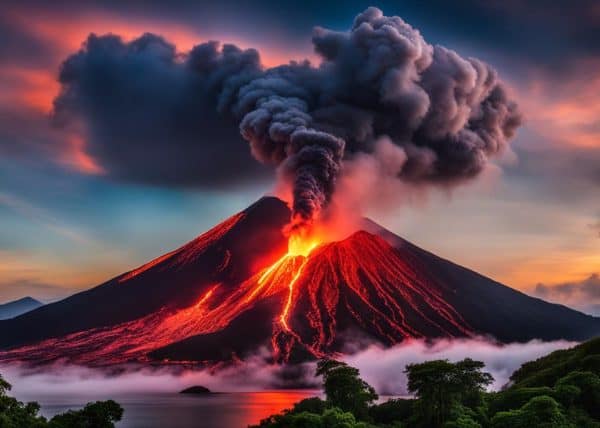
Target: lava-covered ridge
240	287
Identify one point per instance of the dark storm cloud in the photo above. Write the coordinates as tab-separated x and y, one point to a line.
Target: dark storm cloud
584	295
155	116
151	115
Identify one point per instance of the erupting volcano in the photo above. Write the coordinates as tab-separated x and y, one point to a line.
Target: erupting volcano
245	285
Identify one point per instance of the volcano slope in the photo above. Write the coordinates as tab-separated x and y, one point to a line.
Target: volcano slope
235	290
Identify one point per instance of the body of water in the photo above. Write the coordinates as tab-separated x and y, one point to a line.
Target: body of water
226	410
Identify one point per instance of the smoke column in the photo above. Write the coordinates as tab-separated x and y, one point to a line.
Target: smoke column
446	113
443	115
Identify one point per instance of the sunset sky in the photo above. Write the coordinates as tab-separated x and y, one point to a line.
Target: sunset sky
68	222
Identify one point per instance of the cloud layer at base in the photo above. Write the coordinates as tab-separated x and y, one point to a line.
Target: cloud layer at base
382	368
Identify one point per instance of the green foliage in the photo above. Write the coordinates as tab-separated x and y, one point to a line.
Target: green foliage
345	389
394	410
331	418
515	398
336	418
588	386
462	417
440	385
560	390
546	371
310	405
541	411
101	414
581	419
568	378
566	394
15	414
292	420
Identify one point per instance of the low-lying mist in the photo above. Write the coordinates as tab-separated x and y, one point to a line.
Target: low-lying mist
382	368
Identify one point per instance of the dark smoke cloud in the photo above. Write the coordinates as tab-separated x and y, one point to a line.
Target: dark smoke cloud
156	116
150	113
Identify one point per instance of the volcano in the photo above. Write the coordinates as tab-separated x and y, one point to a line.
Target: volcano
238	289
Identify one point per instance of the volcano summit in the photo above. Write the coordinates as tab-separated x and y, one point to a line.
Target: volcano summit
238	287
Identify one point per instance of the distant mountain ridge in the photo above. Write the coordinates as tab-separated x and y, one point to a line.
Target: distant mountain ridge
18	307
234	290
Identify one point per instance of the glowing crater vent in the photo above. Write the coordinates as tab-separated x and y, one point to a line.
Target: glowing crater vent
299	248
299	245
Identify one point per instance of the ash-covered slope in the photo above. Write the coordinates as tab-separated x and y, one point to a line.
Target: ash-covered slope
233	290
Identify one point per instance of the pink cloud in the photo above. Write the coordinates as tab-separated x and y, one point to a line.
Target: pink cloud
31	90
565	111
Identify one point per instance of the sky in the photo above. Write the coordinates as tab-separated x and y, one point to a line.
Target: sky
70	219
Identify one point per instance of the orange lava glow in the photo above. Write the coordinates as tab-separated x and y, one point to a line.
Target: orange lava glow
300	246
288	303
316	290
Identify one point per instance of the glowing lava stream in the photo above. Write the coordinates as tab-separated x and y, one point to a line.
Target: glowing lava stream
297	247
286	308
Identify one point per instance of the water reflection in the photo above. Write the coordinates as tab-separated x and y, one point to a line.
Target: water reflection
228	410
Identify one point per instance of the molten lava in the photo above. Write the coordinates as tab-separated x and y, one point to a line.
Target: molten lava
315	293
299	245
322	290
299	248
245	284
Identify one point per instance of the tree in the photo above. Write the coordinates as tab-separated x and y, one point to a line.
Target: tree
336	418
541	411
101	414
440	385
588	386
561	390
15	414
393	410
515	398
345	389
331	418
312	405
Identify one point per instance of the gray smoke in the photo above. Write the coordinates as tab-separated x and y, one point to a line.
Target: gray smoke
447	114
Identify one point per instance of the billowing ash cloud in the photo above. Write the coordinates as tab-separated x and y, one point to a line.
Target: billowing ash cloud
150	114
148	110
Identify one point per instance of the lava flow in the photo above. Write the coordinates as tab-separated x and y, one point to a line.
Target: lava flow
291	265
237	288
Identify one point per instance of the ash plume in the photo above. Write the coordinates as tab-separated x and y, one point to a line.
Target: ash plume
446	114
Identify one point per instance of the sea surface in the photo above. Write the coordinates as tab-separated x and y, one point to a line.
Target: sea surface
172	410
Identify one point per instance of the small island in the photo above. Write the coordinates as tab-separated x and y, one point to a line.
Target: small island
200	390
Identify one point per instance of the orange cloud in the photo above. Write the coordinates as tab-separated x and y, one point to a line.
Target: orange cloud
77	158
31	88
69	32
566	111
35	89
